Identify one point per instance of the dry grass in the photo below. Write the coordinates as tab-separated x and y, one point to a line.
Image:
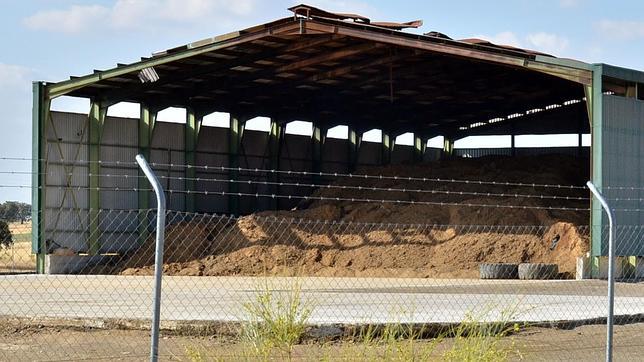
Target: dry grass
18	257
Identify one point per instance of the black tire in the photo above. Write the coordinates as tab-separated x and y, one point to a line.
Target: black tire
498	271
529	271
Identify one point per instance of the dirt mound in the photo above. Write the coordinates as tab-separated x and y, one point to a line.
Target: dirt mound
336	238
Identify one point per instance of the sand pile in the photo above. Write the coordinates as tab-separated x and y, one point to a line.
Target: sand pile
325	238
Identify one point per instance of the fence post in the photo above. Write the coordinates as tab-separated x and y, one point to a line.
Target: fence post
611	270
158	255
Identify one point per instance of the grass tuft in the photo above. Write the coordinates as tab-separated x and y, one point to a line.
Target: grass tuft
277	322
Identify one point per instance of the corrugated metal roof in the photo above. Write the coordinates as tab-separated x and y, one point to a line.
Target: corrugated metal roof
318	64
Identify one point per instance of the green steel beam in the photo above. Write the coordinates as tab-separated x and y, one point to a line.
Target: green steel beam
236	134
354	141
420	146
96	119
594	100
146	126
40	112
192	128
386	148
275	138
64	87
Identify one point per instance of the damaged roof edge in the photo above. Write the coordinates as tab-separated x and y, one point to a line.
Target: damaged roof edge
563	68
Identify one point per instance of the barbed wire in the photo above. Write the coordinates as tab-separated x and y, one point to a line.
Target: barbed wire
307	197
322	174
344	187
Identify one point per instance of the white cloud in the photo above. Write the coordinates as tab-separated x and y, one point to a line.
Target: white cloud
621	30
502	38
541	41
130	14
350	6
73	20
547	42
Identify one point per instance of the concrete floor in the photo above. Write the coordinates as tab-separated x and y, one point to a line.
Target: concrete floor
334	300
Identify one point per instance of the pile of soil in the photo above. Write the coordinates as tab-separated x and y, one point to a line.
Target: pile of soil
335	238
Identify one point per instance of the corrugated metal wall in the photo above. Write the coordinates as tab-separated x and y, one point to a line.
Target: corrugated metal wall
623	165
67	208
523	151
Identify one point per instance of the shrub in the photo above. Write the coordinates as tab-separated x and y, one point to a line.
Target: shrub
6	238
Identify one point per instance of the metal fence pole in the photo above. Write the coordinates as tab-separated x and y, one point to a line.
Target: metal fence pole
158	254
611	270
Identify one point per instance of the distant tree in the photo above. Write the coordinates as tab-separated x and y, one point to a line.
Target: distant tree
6	239
14	211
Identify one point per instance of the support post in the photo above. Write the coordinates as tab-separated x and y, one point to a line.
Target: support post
513	148
420	146
387	147
448	146
236	132
40	112
96	121
318	138
594	102
192	128
146	127
275	138
158	256
611	269
354	140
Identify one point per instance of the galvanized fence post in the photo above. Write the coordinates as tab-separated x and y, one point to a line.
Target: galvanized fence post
158	255
611	270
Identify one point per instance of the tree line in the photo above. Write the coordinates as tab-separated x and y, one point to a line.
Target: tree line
15	211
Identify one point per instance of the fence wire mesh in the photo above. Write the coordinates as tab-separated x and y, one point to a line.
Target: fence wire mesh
373	267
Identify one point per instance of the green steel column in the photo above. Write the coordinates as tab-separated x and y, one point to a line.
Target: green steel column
354	141
513	149
146	126
193	125
96	121
386	148
275	138
236	133
40	111
448	146
419	148
318	138
594	99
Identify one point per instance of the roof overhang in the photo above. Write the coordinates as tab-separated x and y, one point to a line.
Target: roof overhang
338	72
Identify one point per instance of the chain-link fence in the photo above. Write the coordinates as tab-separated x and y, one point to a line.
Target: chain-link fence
342	276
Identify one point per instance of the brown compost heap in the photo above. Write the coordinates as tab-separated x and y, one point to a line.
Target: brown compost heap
343	238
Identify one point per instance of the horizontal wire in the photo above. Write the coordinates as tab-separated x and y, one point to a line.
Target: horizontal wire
376	177
361	188
320	198
327	174
345	187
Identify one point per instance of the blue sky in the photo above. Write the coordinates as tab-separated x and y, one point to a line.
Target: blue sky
53	39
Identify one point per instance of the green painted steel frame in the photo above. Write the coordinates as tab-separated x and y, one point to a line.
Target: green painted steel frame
318	139
236	134
420	145
40	112
386	148
96	121
594	101
355	141
145	130
275	138
192	128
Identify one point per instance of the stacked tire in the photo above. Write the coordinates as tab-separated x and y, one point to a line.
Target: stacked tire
498	271
530	271
523	271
